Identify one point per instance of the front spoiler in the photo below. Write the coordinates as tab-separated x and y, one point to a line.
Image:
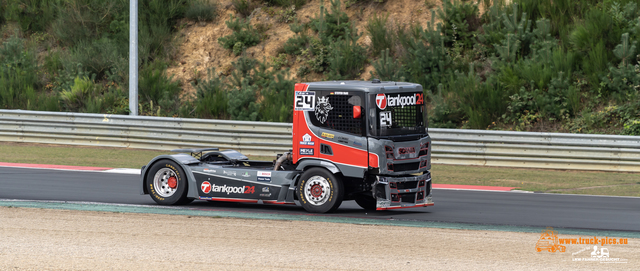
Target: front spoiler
403	192
408	206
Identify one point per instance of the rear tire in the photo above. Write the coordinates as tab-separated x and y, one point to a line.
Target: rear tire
167	183
366	202
319	191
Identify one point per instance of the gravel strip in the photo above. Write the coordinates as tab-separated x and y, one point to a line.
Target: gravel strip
43	239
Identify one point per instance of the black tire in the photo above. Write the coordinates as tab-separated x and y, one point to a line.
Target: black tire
319	181
162	191
367	202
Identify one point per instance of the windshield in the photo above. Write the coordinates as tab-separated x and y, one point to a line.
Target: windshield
397	114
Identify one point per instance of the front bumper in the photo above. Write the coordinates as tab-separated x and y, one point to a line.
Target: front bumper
402	192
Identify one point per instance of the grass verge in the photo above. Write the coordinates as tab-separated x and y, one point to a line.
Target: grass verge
537	180
542	180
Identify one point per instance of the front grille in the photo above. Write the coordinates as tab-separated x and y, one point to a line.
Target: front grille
394	197
407	185
424	150
408	197
406	167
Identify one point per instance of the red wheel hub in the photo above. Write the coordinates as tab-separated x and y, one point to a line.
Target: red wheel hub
316	191
172	182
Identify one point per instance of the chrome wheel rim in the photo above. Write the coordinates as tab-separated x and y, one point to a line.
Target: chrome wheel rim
165	182
317	190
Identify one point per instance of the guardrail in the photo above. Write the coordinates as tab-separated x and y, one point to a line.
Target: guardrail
450	146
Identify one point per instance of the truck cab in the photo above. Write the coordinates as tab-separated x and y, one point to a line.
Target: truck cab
372	135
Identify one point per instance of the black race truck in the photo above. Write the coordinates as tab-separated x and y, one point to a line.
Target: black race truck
352	140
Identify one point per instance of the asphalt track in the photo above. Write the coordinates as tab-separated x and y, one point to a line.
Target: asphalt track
474	207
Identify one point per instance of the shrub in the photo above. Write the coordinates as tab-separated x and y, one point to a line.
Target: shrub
157	89
386	68
287	15
279	61
482	103
98	57
563	14
115	100
599	26
460	20
211	97
510	34
631	127
81	20
445	113
294	45
32	16
202	10
243	7
243	91
625	78
346	58
243	36
286	3
74	98
381	37
277	104
315	57
559	102
67	75
331	25
242	102
18	74
53	62
426	60
625	51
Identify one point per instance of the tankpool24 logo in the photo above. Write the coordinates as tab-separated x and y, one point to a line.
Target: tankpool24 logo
382	100
208	187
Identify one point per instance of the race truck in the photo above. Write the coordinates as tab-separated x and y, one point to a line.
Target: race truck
366	141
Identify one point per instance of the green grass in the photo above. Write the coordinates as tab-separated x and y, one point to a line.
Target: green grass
75	155
538	180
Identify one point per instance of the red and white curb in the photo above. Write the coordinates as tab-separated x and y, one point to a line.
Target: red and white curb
72	168
477	188
124	171
471	187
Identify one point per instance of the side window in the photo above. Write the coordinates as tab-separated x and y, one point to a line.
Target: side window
334	110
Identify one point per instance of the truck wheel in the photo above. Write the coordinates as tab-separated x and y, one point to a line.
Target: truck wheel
167	183
319	191
367	202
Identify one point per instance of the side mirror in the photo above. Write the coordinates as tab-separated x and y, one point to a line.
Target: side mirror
357	112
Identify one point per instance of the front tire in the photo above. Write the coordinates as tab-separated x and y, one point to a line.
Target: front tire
167	183
319	191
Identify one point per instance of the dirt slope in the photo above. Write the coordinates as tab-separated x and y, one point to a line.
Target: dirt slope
199	50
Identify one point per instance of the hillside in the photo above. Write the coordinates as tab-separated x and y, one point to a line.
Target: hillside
199	50
527	65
